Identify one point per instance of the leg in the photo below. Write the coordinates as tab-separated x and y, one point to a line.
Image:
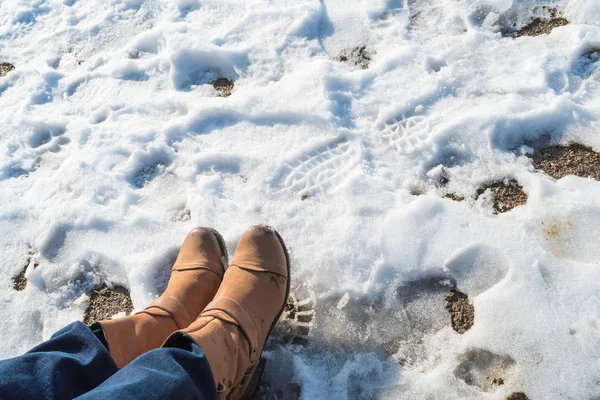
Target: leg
72	362
167	373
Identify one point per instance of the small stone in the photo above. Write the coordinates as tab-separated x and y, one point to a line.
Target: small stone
343	301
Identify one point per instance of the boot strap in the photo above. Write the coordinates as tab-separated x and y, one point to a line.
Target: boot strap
236	312
258	267
171	306
194	266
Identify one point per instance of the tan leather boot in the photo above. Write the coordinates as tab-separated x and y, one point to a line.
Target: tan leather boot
195	278
234	327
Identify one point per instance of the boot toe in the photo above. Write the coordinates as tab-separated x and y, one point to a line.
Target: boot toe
261	246
202	245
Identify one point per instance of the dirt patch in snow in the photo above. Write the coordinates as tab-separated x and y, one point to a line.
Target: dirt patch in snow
19	281
517	396
5	68
462	313
224	86
106	302
539	27
505	195
358	56
542	25
485	370
575	159
556	229
454	196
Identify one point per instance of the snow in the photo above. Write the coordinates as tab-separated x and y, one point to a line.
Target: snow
113	135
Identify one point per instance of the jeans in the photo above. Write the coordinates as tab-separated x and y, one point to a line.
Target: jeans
75	363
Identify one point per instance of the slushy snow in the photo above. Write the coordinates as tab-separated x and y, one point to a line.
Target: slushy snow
114	144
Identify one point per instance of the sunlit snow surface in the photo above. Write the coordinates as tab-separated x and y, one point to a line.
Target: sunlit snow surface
114	144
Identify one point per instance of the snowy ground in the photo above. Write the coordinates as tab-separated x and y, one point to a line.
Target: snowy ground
114	144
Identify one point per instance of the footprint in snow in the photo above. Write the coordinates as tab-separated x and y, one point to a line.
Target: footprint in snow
47	136
485	370
573	237
297	318
477	267
405	135
320	169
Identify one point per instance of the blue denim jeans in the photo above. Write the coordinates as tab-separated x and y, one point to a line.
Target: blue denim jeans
75	363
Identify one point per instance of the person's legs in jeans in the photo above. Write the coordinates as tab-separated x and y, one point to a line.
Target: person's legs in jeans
75	361
166	373
71	363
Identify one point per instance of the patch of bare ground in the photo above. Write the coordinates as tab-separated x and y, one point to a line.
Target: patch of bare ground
224	86
485	370
542	25
539	27
462	313
454	196
359	56
107	301
575	159
505	195
517	396
5	68
19	281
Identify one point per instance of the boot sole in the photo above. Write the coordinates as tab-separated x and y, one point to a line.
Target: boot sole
254	384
